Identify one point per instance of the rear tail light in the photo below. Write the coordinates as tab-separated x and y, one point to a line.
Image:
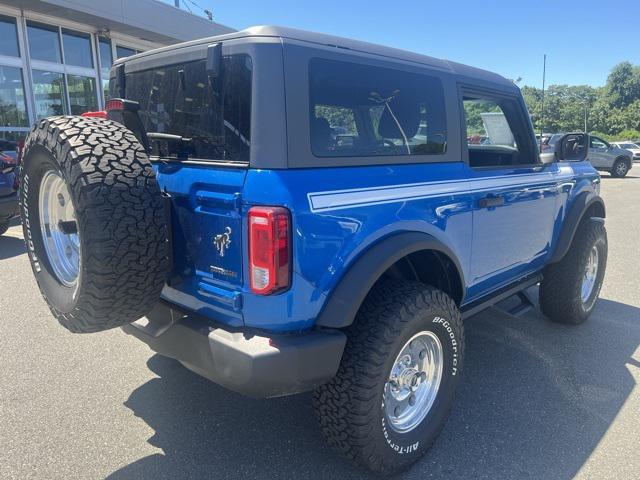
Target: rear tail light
269	249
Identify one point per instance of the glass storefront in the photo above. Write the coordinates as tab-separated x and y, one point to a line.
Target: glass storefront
48	70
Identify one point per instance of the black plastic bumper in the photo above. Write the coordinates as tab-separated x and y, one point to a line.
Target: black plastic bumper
8	206
251	363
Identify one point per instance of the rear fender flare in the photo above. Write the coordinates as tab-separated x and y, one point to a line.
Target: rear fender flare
346	298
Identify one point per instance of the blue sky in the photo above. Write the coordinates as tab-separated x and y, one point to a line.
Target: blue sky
583	39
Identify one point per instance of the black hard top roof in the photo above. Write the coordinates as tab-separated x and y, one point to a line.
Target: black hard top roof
345	43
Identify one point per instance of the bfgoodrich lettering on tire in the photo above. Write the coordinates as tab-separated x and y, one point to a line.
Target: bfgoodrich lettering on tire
396	383
93	222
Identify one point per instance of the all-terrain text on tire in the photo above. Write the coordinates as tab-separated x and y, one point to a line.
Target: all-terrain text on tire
396	383
94	222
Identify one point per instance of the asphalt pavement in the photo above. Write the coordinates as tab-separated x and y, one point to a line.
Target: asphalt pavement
537	400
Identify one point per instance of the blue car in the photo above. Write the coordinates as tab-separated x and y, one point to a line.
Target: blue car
284	211
8	191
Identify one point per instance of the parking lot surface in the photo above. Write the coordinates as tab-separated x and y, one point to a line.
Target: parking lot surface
537	400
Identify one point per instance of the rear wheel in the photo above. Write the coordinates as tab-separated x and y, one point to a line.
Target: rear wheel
620	168
94	221
570	288
397	379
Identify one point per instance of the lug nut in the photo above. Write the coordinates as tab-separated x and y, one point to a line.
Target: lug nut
397	411
423	376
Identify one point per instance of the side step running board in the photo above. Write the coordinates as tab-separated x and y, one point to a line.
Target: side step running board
514	289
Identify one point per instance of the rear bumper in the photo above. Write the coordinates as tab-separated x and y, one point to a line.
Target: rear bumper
8	206
255	364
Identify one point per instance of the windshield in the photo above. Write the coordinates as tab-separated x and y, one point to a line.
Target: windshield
210	117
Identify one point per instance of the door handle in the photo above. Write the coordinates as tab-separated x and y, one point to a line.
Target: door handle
491	202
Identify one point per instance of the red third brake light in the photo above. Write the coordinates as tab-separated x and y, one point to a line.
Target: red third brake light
269	249
114	104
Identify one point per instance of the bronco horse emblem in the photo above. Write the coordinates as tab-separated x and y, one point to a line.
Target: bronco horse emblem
222	241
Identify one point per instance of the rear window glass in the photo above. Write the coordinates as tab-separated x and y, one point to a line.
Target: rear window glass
211	117
360	110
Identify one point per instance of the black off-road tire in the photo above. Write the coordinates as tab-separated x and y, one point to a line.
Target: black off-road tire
350	408
120	218
560	290
620	168
4	226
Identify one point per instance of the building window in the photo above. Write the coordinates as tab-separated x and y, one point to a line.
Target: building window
8	37
122	52
44	42
77	49
48	90
13	105
106	61
82	94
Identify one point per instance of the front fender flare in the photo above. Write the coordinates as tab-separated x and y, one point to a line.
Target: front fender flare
583	202
346	298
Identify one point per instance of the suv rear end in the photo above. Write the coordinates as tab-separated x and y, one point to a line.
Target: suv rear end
232	218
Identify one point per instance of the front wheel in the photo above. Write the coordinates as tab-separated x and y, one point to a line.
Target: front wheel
570	288
396	382
620	168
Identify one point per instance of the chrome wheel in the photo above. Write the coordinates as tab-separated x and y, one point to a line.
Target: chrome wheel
59	228
590	275
621	169
413	382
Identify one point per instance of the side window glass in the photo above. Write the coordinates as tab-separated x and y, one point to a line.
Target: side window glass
597	143
359	110
494	133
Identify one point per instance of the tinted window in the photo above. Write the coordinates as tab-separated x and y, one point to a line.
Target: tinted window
360	110
44	42
496	135
77	49
8	37
597	143
212	116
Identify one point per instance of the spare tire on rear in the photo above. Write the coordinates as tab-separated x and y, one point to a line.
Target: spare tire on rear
94	222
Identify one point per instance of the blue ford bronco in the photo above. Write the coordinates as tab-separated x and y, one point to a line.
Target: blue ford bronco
284	211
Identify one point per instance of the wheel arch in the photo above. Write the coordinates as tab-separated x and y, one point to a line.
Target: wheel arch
586	205
415	247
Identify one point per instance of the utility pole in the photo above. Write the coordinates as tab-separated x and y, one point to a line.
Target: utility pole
544	75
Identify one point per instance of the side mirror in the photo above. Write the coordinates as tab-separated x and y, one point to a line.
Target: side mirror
214	60
572	147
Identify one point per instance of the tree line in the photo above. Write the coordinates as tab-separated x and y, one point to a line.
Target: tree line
611	111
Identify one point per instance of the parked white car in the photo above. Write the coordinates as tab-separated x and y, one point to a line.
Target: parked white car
632	147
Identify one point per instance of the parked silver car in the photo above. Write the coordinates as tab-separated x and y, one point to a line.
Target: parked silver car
602	155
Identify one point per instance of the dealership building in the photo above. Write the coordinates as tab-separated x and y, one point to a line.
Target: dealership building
55	55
